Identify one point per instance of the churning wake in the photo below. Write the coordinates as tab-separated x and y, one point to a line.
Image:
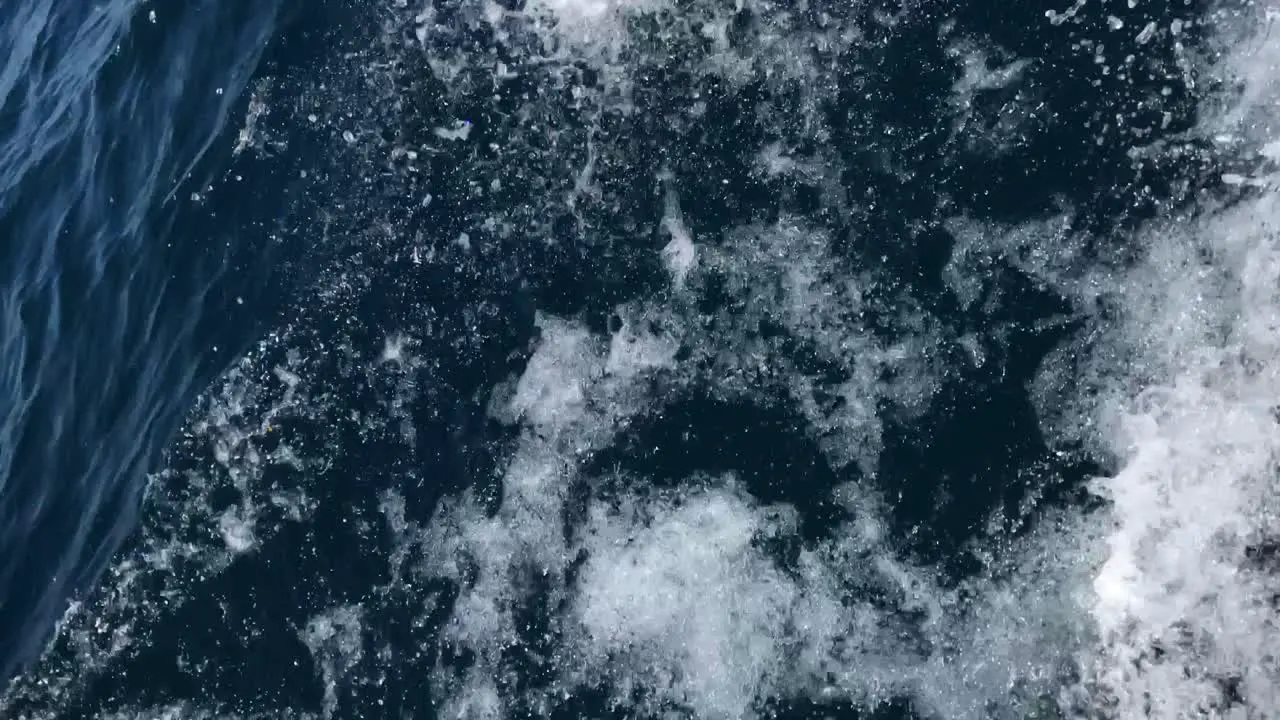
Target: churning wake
766	403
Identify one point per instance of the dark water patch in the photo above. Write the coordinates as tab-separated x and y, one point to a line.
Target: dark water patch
1071	124
1108	92
808	709
763	445
115	294
979	448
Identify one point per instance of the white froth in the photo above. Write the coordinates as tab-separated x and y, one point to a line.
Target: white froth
590	26
237	530
1187	619
1249	65
394	349
1198	487
679	599
334	639
680	254
460	131
633	350
685	601
977	75
477	700
568	404
552	388
575	11
250	136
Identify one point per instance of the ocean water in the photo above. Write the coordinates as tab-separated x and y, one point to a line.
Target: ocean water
113	310
712	359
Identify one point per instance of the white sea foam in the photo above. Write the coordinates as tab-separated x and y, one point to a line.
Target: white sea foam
675	596
334	639
1187	384
677	599
680	254
1183	611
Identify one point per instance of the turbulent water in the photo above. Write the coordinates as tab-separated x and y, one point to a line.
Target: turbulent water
708	359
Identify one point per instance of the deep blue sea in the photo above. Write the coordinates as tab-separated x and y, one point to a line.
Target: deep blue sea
542	358
117	297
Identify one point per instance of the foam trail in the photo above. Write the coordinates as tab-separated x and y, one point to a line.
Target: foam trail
1182	610
1185	598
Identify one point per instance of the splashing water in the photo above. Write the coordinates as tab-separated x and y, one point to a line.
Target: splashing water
703	485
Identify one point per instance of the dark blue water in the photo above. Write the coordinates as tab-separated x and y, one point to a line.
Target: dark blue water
116	305
141	253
